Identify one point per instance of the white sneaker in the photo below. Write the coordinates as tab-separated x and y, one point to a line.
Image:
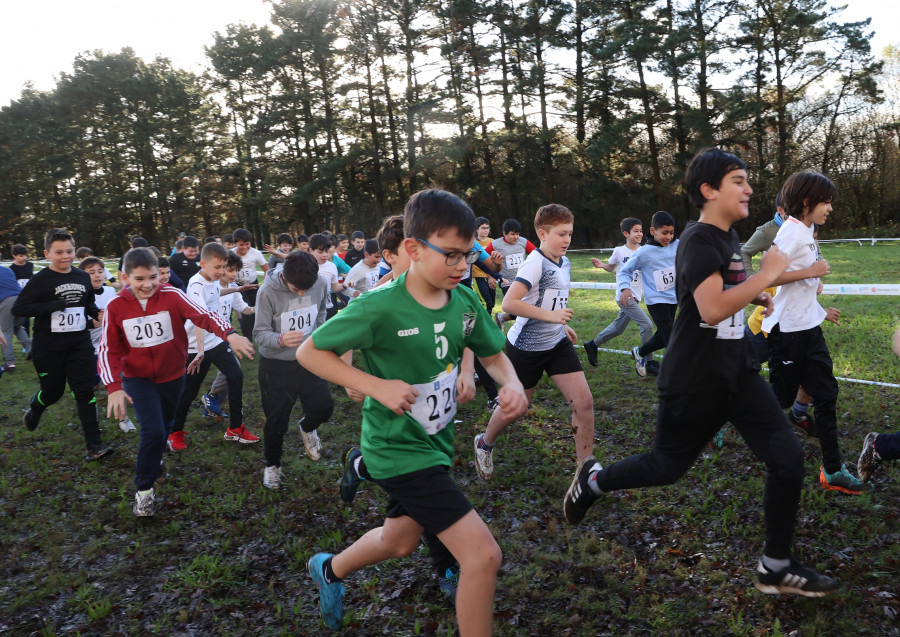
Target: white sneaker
126	425
312	445
143	504
272	477
484	460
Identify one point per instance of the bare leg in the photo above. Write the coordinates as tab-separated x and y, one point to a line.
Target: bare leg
576	391
398	537
499	421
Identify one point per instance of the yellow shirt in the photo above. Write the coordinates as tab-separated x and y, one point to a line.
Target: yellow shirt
476	271
756	319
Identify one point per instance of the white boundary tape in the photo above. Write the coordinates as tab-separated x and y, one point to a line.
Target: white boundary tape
856	289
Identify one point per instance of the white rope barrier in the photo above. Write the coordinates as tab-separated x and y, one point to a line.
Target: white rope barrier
855	289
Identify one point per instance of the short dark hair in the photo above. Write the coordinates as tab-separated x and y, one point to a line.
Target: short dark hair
83	252
371	246
358	234
57	234
709	166
233	261
660	219
332	238
138	241
242	234
228	238
628	223
551	215
301	238
89	260
480	221
163	262
343	237
390	235
190	242
155	250
512	225
139	258
179	244
301	269
804	191
209	240
779	199
214	251
284	237
19	249
432	211
318	241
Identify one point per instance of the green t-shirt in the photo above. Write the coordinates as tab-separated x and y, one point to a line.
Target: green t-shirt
400	339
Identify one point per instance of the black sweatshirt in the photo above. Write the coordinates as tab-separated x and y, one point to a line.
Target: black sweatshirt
48	292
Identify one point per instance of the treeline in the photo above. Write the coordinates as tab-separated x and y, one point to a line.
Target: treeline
333	115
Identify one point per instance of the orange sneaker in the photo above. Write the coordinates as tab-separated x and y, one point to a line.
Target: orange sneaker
176	441
241	434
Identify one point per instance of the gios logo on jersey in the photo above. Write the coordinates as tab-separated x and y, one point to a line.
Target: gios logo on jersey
468	321
410	332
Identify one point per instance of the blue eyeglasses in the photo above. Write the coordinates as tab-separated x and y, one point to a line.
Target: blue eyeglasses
452	258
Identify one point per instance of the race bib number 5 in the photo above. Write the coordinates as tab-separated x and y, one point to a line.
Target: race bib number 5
70	319
664	279
301	320
435	406
148	331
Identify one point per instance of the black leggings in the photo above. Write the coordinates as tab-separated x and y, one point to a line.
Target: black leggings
77	366
225	361
663	315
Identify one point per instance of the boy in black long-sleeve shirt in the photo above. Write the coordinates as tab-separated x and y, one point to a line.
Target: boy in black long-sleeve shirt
61	300
186	263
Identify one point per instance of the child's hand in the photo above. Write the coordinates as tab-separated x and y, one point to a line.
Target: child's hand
116	404
562	316
834	315
820	288
626	298
3	340
355	396
292	339
496	257
765	299
465	388
774	262
241	346
820	268
596	262
396	395
513	402
492	283
570	334
194	366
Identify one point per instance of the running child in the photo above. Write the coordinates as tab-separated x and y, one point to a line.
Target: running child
247	276
800	354
514	249
9	292
364	275
61	300
657	261
186	263
320	247
357	253
709	376
412	335
290	305
207	348
633	231
24	270
285	243
142	358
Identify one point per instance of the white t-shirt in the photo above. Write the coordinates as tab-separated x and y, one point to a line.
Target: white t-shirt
228	302
249	263
205	294
362	276
329	271
548	288
102	300
796	305
620	257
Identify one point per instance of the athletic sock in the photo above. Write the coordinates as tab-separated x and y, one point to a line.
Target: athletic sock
775	565
328	572
483	445
303	426
799	409
592	479
360	468
144	492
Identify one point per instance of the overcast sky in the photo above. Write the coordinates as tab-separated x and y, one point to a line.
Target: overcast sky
40	38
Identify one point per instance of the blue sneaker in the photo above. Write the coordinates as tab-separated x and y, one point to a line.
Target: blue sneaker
351	480
211	406
448	583
331	596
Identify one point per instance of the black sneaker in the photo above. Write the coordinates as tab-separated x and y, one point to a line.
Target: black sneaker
795	579
804	422
579	497
653	367
350	481
31	419
590	349
97	451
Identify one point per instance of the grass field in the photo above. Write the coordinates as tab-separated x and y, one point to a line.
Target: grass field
225	556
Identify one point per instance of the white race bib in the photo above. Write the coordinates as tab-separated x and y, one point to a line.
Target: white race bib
247	275
637	285
71	319
664	279
147	331
732	327
555	299
301	320
373	279
435	405
514	261
22	282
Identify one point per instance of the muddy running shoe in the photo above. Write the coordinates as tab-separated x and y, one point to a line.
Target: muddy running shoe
97	451
718	441
311	444
10	369
126	425
590	350
31	419
351	480
144	503
842	481
500	319
331	596
176	441
795	579
448	583
240	434
493	403
868	458
804	422
640	362
579	497
272	477
211	406
484	459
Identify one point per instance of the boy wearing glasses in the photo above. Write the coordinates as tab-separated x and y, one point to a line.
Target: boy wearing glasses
541	340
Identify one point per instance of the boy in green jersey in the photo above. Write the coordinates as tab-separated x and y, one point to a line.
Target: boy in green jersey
412	336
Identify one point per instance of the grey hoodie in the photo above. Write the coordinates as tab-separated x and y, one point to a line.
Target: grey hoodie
279	310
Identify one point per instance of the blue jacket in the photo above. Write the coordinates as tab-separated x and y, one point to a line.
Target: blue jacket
657	266
8	284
